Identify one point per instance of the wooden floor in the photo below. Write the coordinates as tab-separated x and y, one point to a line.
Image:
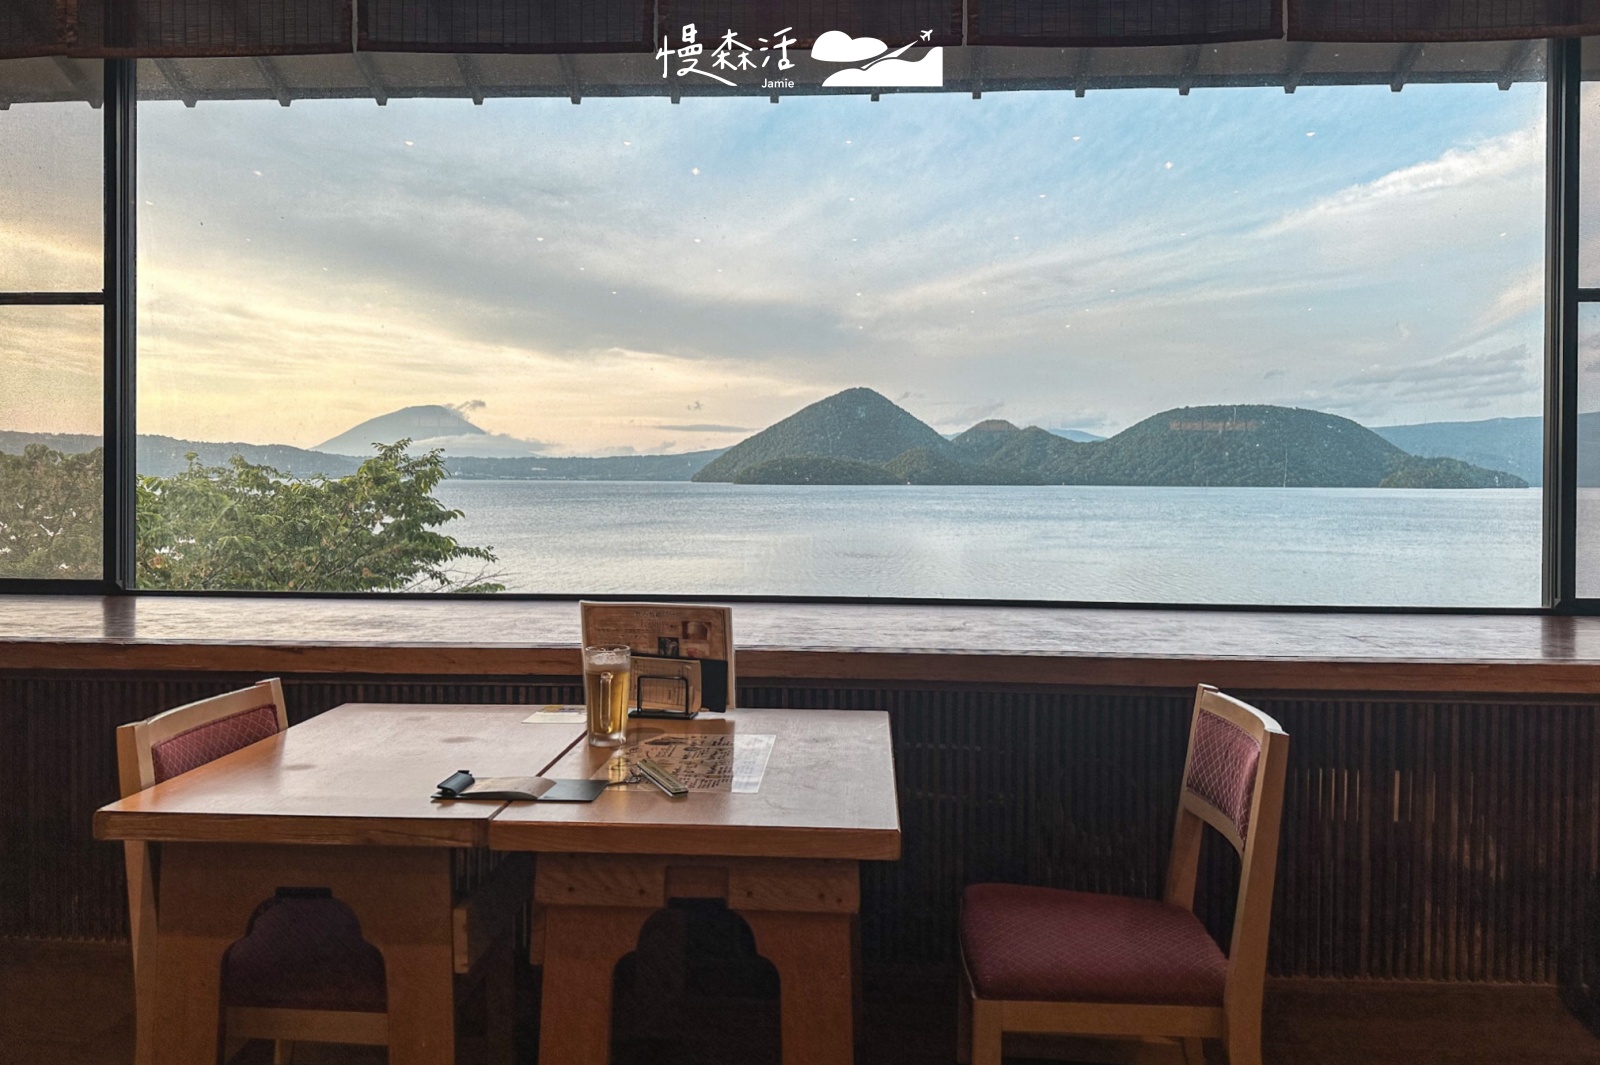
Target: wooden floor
72	1003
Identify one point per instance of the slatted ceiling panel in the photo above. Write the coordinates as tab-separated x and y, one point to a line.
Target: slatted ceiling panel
102	28
1422	840
30	27
1074	23
507	26
895	22
1440	20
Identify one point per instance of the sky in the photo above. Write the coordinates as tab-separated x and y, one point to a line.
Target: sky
630	275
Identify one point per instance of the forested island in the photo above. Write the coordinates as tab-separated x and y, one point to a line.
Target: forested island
859	437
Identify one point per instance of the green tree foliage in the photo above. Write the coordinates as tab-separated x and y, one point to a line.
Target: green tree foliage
50	508
814	469
1412	472
242	527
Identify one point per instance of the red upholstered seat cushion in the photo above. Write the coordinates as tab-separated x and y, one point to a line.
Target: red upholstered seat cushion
1043	945
304	954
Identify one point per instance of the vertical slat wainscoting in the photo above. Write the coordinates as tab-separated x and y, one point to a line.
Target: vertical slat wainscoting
58	765
1424	839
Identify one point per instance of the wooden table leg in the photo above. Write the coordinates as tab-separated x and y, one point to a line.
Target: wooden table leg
402	898
196	927
812	954
400	895
582	947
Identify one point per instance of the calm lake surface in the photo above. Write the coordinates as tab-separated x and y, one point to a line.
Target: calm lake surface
1328	546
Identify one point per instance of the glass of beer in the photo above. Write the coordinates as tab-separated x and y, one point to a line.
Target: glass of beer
607	672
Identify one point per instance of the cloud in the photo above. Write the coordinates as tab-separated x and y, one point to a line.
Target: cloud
1519	154
1523	295
465	409
483	445
709	428
927	73
837	47
971	415
1466	380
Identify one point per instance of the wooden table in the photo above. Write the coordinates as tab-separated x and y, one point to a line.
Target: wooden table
340	801
785	858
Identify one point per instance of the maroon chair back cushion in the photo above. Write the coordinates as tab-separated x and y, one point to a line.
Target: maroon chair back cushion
208	742
304	954
1222	767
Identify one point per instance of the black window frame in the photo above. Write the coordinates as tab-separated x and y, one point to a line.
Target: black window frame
115	297
1563	296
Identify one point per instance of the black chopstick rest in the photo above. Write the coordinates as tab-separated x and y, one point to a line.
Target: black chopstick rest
452	786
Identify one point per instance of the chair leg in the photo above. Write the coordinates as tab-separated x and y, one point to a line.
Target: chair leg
986	1034
1194	1052
282	1052
1244	1044
963	1022
500	1005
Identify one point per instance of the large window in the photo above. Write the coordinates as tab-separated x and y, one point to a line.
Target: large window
1232	345
51	343
1235	346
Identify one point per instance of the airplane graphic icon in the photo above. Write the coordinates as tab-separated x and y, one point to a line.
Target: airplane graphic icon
874	65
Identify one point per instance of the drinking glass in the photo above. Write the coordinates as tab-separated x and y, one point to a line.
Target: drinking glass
607	672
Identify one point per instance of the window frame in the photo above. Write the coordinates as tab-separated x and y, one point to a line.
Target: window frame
119	430
114	298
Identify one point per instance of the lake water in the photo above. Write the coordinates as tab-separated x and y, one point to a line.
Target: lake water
1326	546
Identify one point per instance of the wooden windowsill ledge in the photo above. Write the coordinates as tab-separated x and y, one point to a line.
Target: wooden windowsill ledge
942	645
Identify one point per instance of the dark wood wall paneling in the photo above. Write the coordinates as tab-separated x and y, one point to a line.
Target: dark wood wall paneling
1424	839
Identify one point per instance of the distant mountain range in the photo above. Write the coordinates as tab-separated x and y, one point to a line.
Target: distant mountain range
428	428
1515	445
1245	445
163	456
859	437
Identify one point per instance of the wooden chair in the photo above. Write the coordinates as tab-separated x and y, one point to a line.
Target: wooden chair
302	973
1039	960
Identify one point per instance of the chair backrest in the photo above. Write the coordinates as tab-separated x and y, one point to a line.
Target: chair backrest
1233	780
157	749
185	738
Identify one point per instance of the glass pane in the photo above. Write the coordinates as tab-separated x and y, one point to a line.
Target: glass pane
1588	567
50	442
51	205
1589	167
1235	346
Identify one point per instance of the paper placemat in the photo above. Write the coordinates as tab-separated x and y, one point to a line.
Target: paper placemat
719	761
558	715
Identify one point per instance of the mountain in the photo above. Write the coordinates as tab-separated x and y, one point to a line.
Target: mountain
1515	445
814	469
616	468
984	440
163	456
1248	445
859	437
1233	445
857	424
1077	436
1016	456
428	427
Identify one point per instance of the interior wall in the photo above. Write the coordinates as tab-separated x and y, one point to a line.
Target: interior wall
1436	839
